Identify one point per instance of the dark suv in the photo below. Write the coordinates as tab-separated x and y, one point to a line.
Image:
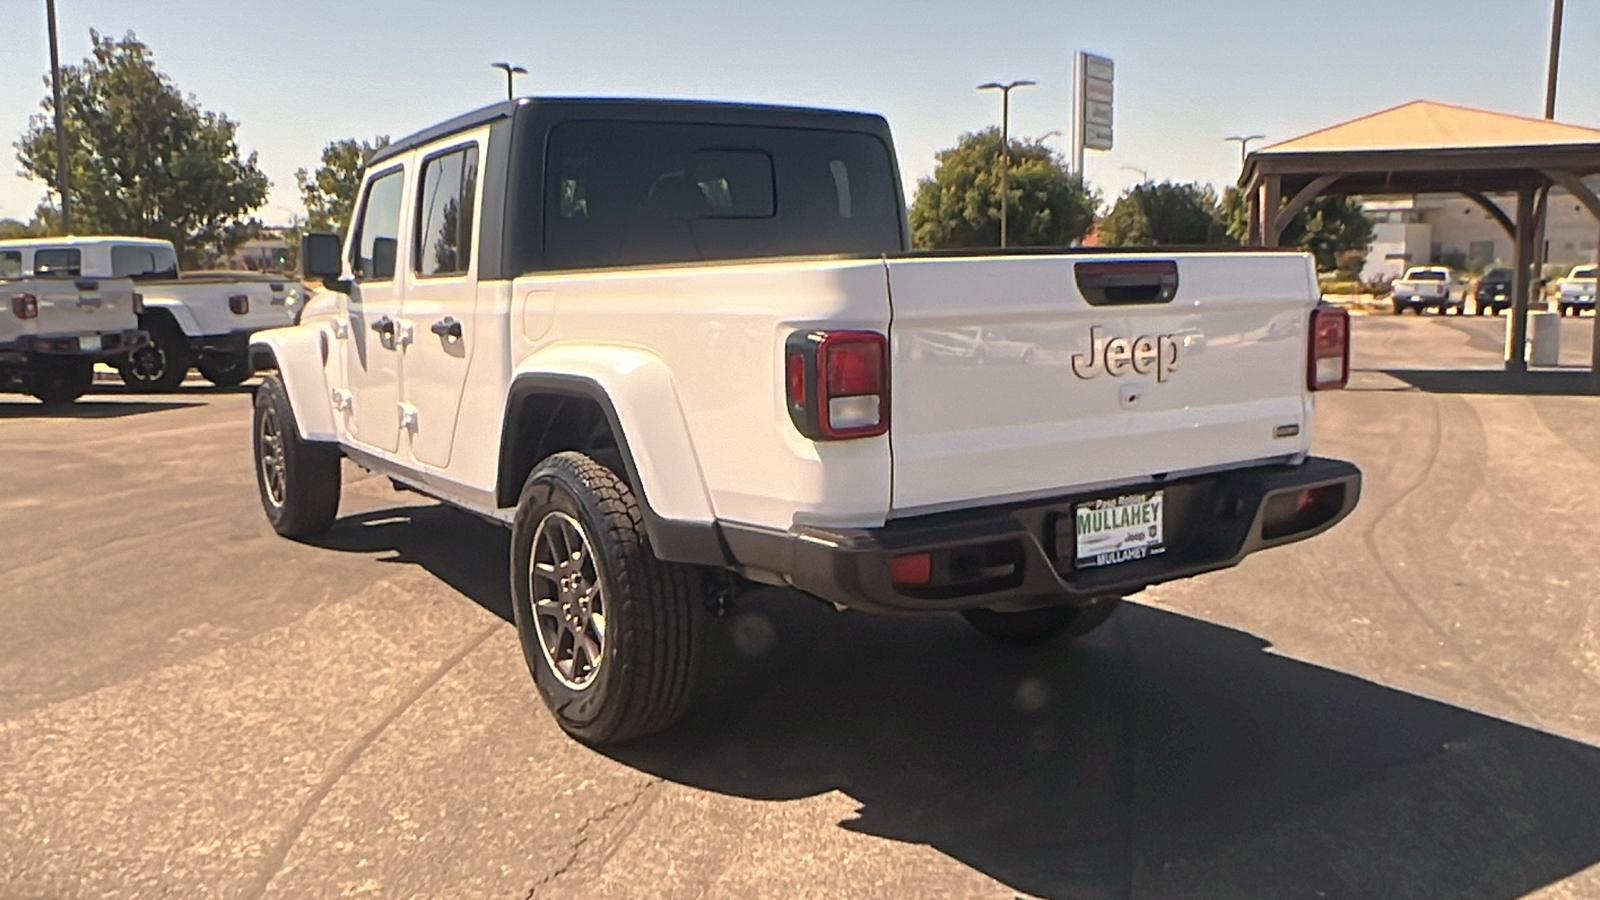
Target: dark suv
1493	293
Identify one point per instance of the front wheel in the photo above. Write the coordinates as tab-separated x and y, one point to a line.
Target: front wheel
298	479
57	382
225	371
611	634
1032	627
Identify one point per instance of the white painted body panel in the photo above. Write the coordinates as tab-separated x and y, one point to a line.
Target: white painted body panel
693	358
970	427
100	306
303	354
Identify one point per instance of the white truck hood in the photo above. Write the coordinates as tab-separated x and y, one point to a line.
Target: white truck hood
1008	383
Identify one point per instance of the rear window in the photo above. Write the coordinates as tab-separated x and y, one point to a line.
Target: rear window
630	193
1498	275
64	262
143	262
1583	273
1425	275
10	263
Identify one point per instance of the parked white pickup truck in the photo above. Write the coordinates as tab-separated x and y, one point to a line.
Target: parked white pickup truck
53	330
682	347
1575	293
1422	287
201	320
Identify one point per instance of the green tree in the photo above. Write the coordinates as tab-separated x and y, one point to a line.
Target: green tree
959	207
144	159
14	228
1330	228
329	194
1150	215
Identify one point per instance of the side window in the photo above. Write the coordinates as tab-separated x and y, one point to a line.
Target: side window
10	263
444	212
59	262
378	232
132	261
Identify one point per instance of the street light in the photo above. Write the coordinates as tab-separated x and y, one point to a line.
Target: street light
62	177
1005	146
1244	145
511	72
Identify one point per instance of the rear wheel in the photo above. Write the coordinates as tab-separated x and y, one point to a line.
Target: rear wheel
611	634
161	364
225	371
57	382
298	479
1032	627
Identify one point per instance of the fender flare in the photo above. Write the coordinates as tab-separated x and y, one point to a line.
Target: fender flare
635	391
298	353
180	314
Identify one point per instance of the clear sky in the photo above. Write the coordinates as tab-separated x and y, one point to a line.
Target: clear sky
296	73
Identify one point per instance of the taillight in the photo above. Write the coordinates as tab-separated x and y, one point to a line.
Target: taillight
838	383
25	306
239	303
1328	365
138	304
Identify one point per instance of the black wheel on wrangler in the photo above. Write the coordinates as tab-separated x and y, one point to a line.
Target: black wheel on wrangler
161	364
1032	627
57	382
225	371
298	479
611	634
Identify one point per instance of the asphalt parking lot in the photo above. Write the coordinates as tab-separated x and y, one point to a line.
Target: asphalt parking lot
1406	706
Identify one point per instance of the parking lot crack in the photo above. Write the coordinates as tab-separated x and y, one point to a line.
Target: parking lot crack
581	836
273	862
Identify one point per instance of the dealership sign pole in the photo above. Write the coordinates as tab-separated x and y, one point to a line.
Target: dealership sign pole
1092	97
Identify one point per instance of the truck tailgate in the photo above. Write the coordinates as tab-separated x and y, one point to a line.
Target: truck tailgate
1009	383
83	306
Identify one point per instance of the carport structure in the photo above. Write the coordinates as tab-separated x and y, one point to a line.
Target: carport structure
1423	147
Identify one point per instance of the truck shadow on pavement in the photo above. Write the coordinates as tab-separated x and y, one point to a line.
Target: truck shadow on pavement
87	409
1550	383
1164	756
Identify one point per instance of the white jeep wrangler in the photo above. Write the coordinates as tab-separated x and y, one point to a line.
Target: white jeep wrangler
681	347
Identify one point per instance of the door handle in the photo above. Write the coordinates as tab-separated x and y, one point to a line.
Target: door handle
447	327
384	326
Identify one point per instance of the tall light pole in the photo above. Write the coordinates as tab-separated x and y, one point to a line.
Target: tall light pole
63	184
511	72
1005	147
1244	145
1144	174
1555	60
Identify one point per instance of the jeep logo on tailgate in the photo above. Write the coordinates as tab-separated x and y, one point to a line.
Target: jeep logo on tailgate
1116	356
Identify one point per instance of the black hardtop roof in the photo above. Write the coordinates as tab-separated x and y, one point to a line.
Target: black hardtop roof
637	108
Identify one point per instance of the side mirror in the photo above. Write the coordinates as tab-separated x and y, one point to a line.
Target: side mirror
319	255
384	251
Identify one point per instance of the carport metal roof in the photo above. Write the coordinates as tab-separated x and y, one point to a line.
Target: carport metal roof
1424	147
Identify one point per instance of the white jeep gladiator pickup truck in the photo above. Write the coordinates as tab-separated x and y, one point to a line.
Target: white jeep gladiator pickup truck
203	320
1422	287
1576	292
680	348
53	330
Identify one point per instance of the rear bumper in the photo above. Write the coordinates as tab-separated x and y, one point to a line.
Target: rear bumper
1020	556
113	344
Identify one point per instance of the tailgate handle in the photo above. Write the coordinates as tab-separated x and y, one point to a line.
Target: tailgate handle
1125	282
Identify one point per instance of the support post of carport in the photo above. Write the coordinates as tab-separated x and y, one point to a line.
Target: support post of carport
1271	200
1575	186
1522	283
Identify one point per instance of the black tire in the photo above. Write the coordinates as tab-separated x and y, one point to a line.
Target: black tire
160	365
225	371
636	671
57	382
1398	306
298	479
1032	627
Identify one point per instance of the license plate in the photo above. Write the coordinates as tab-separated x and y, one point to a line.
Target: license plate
89	342
1119	529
